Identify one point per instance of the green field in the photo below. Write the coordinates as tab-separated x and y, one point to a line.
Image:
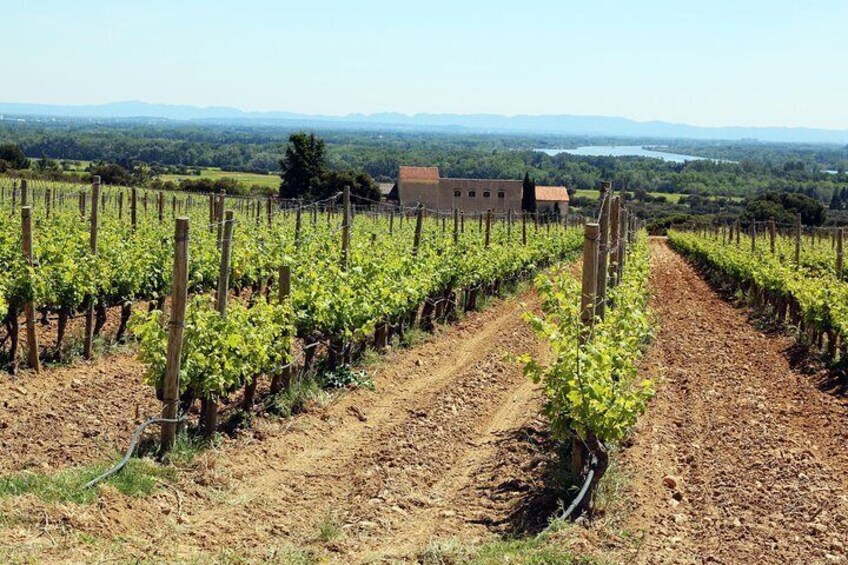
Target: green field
672	198
245	179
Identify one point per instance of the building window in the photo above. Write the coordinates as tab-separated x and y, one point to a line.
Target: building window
487	194
501	195
471	194
457	193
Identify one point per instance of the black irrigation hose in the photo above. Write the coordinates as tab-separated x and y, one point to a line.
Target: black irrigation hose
133	442
593	463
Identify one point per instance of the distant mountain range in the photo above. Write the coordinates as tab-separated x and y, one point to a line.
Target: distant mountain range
491	123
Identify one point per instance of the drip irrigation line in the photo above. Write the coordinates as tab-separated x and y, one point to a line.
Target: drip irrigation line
133	442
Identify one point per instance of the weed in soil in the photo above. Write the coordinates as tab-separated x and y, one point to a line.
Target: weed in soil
137	478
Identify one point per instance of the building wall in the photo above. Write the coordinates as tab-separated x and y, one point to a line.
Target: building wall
447	194
543	206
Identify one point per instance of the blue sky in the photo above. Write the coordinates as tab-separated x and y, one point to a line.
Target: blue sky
710	62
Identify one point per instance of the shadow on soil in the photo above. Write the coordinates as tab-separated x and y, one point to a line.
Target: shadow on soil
526	486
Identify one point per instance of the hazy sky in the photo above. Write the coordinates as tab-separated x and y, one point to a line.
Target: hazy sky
705	62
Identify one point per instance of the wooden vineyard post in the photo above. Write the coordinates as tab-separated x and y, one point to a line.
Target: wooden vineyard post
297	227
14	196
419	219
160	206
753	237
173	205
615	236
455	226
282	379
839	257
589	296
29	307
219	218
121	206
623	240
92	243
772	235
524	228
47	201
588	305
603	253
509	225
270	211
213	211
209	408
462	222
798	240
224	270
24	193
176	324
392	221
134	207
488	226
346	228
738	233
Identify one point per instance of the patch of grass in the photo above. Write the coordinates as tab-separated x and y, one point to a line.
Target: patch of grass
187	447
329	528
293	400
539	550
413	336
137	478
370	358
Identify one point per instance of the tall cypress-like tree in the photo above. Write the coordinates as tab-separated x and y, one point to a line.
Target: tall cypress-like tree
528	194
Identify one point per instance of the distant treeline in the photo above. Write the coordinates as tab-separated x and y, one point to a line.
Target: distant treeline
150	146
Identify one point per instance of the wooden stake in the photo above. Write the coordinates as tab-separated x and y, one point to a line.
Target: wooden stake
615	237
134	207
176	324
419	219
589	297
772	235
488	226
282	379
524	228
346	228
603	253
92	243
798	240
29	307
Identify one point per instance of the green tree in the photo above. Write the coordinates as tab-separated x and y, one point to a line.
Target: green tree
360	184
112	173
528	194
783	206
14	156
303	166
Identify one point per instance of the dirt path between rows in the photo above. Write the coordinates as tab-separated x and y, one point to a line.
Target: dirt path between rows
758	454
432	453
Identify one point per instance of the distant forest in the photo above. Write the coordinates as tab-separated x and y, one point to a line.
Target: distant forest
150	147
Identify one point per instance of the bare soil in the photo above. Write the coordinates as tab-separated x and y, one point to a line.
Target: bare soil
448	445
741	458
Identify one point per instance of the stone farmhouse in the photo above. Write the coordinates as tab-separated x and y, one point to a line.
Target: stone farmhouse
424	185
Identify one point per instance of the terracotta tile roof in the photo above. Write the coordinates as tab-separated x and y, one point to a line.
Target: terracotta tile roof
551	194
419	173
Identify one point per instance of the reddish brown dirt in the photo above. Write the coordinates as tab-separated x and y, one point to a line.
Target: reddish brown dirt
444	447
72	415
757	452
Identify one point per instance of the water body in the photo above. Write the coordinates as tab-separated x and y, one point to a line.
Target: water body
622	151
